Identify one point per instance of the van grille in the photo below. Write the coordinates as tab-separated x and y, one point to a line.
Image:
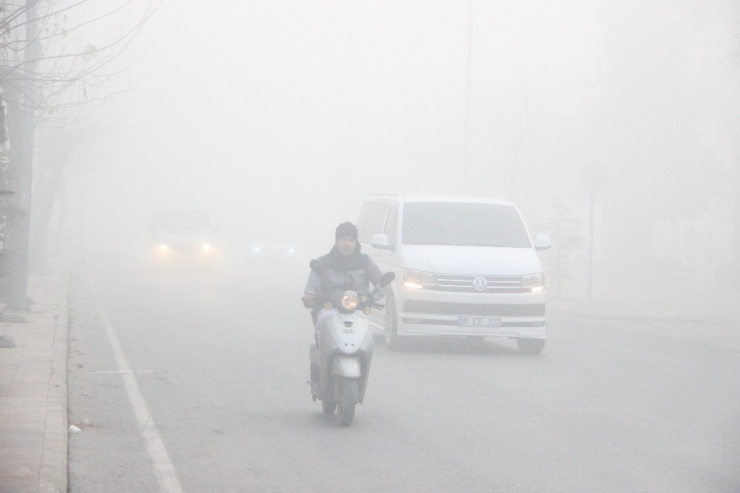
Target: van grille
481	309
464	283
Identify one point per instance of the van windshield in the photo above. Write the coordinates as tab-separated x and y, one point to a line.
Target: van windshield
463	224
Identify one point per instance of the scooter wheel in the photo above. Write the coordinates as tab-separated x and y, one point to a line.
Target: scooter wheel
348	400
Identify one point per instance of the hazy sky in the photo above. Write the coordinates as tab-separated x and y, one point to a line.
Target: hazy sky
288	112
282	115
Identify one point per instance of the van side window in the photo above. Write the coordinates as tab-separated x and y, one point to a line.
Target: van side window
372	220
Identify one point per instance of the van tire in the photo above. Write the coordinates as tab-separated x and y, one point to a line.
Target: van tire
392	339
530	346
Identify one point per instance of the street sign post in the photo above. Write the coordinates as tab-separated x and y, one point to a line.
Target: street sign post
593	177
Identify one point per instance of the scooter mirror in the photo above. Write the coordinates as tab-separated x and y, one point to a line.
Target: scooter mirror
316	266
387	278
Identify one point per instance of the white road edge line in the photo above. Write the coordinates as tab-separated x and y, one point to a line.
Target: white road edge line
163	468
119	372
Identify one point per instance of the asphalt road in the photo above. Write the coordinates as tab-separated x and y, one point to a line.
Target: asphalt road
214	367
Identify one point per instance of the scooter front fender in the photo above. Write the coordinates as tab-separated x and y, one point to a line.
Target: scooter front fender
346	366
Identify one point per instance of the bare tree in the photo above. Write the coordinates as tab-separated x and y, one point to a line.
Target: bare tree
49	75
75	148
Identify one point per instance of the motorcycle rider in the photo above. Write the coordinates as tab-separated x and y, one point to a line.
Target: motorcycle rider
344	269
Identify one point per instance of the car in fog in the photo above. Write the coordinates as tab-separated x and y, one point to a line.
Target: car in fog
465	266
182	239
270	252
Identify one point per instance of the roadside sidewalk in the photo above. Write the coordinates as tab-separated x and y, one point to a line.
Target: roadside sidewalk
33	391
659	304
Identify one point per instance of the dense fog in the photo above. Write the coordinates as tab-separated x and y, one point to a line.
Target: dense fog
169	167
279	117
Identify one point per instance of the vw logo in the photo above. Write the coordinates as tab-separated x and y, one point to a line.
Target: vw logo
480	283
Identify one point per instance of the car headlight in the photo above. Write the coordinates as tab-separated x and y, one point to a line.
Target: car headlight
534	282
163	247
418	280
349	300
207	247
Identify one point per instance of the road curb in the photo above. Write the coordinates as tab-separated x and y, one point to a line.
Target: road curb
53	467
649	318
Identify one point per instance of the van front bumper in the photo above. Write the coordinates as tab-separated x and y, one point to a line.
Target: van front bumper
430	313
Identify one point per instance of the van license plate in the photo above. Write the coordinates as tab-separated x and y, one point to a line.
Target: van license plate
479	321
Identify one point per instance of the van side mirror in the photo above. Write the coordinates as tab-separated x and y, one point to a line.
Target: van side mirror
380	241
542	243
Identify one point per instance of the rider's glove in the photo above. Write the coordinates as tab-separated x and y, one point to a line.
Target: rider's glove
308	300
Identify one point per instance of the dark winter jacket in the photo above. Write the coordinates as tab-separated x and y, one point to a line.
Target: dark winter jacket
353	273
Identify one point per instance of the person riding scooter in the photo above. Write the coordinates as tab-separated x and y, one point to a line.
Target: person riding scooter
338	291
344	269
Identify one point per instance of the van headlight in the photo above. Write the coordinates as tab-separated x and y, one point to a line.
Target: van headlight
534	282
349	300
417	279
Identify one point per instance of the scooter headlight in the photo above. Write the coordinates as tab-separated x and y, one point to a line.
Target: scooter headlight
350	300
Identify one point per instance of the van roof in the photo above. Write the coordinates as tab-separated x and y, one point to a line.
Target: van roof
436	198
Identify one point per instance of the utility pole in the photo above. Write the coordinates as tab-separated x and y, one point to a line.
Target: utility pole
593	177
468	109
22	128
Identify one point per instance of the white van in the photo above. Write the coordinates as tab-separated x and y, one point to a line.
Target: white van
465	266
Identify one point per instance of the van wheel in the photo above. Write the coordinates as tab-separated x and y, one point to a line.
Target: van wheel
392	339
530	346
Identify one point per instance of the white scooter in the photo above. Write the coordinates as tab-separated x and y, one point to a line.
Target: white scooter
340	357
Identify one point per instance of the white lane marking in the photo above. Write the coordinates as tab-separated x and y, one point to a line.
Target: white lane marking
163	468
120	372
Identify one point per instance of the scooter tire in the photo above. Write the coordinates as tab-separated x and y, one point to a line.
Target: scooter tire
347	400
